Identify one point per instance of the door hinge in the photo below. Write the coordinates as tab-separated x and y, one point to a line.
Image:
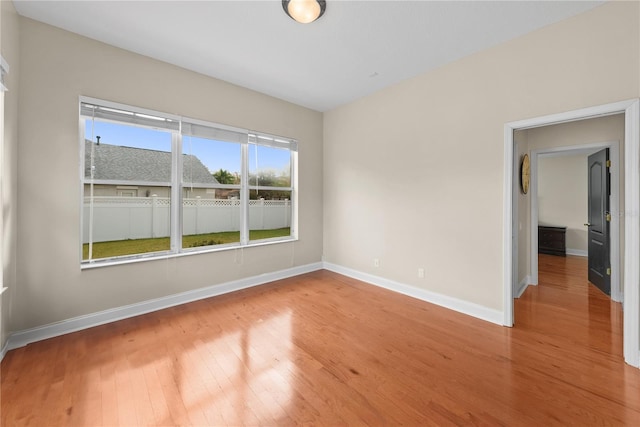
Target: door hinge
608	215
609	271
608	163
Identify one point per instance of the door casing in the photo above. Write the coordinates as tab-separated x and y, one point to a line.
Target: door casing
631	313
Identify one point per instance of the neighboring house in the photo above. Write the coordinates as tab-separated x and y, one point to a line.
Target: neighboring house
132	172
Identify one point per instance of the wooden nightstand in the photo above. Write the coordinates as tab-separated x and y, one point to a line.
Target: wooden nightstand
552	240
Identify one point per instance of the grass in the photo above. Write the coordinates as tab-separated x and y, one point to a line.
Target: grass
142	246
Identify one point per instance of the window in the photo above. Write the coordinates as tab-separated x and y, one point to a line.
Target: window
155	184
270	189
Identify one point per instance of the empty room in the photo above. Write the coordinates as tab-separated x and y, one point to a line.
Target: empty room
320	212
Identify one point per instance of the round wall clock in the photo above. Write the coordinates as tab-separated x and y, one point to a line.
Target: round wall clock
525	174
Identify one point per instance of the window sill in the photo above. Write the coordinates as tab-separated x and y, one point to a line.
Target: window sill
167	255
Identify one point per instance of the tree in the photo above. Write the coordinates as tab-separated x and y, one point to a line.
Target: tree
224	177
269	179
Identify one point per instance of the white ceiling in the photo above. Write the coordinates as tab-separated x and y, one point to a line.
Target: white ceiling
355	49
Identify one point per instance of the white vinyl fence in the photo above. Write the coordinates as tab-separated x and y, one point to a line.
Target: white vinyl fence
122	218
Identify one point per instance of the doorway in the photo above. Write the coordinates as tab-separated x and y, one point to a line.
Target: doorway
631	179
586	150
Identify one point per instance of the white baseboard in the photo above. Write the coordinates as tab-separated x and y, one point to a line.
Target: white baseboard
22	338
522	286
577	252
465	307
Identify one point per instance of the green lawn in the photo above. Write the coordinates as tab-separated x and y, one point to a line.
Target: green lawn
141	246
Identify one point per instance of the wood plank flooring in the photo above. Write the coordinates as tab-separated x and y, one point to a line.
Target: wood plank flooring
323	349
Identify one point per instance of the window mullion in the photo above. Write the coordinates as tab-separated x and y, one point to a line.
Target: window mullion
244	195
294	194
176	192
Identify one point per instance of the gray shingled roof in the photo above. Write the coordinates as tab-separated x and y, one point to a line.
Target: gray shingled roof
119	163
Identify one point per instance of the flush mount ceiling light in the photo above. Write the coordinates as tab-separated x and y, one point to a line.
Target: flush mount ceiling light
304	11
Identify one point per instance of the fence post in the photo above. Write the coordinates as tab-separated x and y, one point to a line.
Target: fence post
154	205
235	217
197	214
287	212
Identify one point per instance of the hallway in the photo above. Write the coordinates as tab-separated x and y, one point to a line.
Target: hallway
577	333
569	311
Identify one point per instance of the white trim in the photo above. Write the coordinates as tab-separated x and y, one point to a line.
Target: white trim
578	252
244	195
22	338
631	108
461	306
176	204
205	123
522	286
130	108
586	149
155	256
631	325
533	215
294	195
509	239
4	350
574	115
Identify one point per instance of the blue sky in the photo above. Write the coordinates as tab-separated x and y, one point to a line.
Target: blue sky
215	155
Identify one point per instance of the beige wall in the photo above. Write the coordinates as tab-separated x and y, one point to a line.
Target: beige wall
590	131
56	68
9	23
413	175
562	197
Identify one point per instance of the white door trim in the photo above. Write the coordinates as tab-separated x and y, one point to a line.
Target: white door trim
614	150
631	283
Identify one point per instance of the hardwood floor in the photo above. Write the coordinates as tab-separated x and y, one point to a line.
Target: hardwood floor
323	349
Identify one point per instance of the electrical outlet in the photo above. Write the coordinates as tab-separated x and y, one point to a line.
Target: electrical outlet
421	273
376	262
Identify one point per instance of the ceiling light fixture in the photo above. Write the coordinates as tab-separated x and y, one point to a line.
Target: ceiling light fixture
304	11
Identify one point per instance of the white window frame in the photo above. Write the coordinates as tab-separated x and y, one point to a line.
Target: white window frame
177	186
276	142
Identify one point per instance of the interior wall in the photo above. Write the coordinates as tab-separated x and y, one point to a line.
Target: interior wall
414	173
562	198
56	68
9	23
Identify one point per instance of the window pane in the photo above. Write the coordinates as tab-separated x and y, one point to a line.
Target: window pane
270	214
269	166
205	159
126	153
126	208
211	215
